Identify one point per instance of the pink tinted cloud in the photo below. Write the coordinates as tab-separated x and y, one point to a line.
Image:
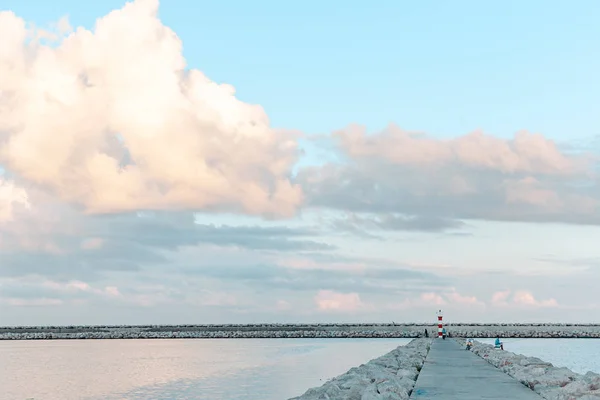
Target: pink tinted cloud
500	298
531	191
520	298
331	301
112	291
526	298
474	176
452	299
456	298
526	152
431	298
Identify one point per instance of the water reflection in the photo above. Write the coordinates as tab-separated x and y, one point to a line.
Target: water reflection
178	369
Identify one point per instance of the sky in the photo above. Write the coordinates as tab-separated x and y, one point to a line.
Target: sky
250	162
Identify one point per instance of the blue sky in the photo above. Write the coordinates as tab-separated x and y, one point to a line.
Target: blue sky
445	69
481	217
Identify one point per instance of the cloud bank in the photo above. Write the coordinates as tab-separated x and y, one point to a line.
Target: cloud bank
476	176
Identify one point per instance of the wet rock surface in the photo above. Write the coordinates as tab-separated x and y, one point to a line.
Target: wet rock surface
390	377
294	331
550	382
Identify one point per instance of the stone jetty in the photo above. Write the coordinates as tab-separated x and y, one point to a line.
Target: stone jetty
296	331
439	369
451	373
391	376
550	382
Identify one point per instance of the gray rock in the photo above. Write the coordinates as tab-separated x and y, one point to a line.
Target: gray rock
550	382
408	330
389	377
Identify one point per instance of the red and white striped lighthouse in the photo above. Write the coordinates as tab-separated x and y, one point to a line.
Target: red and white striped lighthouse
440	327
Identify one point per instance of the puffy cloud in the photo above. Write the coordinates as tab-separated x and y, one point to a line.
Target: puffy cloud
520	298
526	153
526	298
445	296
500	298
428	181
330	301
432	299
112	120
456	298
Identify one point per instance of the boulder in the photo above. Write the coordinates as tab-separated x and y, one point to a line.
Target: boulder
550	382
389	377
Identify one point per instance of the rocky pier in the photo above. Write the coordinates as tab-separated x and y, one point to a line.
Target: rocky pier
548	381
451	373
391	376
443	370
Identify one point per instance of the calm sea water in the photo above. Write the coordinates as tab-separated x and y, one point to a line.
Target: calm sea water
579	355
226	369
247	369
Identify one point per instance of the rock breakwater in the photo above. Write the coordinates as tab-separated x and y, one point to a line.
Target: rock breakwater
296	331
391	377
525	331
550	382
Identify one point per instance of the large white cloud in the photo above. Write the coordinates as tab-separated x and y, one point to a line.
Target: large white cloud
111	119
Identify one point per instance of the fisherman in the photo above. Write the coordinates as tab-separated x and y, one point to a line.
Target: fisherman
498	344
426	333
469	343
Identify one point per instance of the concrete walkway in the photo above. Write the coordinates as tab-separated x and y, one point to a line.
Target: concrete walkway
450	372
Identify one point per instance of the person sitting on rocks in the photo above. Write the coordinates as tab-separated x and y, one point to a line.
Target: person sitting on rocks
499	344
469	343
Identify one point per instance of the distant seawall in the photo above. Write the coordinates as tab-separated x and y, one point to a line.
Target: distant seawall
295	331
